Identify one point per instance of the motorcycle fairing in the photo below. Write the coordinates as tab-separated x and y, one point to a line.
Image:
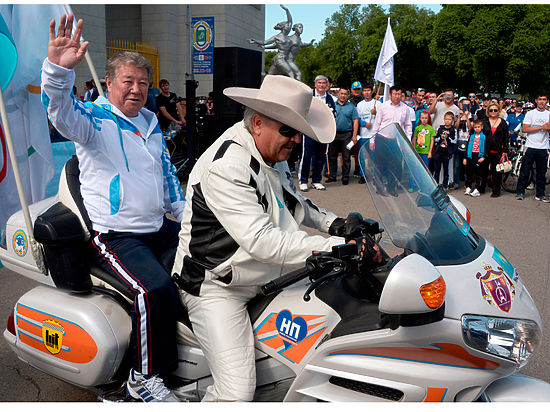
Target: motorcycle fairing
444	354
290	328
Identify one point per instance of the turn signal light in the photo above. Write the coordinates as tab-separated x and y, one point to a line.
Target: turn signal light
433	293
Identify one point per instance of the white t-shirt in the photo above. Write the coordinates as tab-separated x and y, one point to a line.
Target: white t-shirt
439	117
364	110
539	139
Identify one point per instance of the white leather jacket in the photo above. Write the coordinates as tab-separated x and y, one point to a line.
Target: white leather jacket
240	225
127	180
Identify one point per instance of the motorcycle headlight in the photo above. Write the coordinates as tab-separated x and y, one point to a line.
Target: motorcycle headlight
512	339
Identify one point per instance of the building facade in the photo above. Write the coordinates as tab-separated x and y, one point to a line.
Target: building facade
165	27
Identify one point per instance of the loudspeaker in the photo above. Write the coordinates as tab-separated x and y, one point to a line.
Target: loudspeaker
233	67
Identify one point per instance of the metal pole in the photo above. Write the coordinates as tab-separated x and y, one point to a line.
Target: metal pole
35	249
190	87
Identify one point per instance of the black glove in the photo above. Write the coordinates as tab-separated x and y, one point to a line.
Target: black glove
348	228
353	226
337	227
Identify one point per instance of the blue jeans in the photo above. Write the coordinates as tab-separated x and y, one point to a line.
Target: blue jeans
458	169
539	157
314	156
441	159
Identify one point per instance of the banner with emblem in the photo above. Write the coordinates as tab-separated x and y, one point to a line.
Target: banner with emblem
203	45
28	26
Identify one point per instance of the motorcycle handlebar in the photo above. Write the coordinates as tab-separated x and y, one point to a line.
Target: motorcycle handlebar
285	280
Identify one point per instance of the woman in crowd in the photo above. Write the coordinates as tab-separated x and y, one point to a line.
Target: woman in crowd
495	130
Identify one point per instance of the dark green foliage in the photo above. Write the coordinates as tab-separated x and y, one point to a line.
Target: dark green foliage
496	48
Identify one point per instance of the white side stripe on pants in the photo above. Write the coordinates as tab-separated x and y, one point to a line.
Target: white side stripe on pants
140	301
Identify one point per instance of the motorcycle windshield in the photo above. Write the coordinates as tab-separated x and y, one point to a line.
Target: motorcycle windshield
415	213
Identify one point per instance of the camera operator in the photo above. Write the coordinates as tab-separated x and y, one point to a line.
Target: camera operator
443	104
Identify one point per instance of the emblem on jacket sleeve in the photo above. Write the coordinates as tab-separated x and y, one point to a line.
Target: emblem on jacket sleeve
496	288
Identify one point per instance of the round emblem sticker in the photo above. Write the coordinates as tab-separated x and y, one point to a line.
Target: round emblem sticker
20	243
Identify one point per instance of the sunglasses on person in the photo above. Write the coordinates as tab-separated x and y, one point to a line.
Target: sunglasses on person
472	96
493	111
287	131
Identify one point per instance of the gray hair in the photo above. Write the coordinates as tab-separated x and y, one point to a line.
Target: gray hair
127	57
248	115
321	77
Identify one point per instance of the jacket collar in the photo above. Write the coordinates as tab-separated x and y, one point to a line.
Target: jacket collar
149	116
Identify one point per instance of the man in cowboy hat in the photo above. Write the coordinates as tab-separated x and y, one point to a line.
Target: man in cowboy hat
240	226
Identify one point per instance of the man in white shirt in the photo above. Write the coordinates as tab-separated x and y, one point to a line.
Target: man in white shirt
391	111
443	104
128	184
537	126
367	113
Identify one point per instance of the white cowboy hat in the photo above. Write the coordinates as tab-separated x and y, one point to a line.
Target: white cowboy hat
290	102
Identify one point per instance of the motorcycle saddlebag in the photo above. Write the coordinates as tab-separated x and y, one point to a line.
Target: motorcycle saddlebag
80	338
60	232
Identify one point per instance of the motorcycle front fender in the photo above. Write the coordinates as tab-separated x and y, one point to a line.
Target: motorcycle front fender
517	388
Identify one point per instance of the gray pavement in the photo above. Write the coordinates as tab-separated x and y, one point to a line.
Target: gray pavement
520	229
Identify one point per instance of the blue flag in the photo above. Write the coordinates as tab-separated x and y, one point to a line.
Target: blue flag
8	55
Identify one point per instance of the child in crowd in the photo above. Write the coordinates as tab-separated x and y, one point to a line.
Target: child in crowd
423	138
445	140
474	160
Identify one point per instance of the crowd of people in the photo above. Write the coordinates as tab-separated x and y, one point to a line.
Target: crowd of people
462	140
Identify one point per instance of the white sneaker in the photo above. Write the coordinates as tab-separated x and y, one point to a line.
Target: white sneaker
475	193
149	389
318	186
303	187
467	191
531	186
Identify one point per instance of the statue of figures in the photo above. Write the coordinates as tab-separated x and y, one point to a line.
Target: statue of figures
295	46
281	42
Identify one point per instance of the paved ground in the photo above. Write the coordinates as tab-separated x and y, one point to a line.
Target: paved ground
521	231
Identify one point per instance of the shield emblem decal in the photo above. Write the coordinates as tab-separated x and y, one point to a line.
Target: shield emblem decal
52	336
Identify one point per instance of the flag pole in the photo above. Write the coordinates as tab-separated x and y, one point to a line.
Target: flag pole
87	56
35	249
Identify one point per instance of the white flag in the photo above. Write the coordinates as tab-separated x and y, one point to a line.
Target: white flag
29	27
384	66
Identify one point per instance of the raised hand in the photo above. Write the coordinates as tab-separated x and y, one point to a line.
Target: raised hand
64	50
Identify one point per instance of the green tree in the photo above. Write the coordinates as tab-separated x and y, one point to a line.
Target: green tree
528	69
269	55
412	27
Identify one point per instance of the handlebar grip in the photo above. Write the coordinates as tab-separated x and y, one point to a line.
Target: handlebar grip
284	281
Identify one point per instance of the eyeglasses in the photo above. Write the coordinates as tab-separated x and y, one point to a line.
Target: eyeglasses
287	131
493	111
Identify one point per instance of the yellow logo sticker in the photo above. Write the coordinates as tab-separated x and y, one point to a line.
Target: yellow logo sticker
52	335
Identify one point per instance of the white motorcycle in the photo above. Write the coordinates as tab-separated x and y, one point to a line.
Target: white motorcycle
445	317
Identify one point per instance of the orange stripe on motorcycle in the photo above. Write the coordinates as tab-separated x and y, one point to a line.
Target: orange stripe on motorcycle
297	352
446	354
435	394
75	344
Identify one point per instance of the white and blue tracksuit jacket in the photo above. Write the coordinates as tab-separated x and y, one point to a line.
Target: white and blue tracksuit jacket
127	180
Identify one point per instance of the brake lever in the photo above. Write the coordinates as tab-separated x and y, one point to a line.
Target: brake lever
334	272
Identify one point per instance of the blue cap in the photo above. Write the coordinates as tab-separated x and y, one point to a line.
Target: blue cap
356	85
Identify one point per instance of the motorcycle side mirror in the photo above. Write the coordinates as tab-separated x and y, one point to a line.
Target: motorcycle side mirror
413	286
